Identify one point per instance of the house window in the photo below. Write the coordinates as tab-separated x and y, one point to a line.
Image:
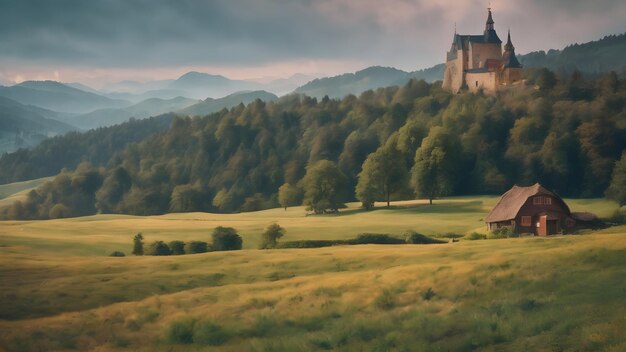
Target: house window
526	220
548	201
537	200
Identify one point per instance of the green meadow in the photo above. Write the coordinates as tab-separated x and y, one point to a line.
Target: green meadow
60	291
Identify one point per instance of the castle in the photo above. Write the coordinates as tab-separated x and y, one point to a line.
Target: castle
476	62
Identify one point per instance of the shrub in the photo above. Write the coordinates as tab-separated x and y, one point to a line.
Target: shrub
311	243
177	247
181	332
269	238
385	300
428	294
209	333
195	247
412	237
376	238
475	236
503	232
226	239
158	248
117	254
618	217
138	244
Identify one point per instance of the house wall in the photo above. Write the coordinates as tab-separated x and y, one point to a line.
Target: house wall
556	209
487	81
479	53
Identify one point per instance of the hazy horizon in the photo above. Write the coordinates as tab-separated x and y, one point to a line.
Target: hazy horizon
99	43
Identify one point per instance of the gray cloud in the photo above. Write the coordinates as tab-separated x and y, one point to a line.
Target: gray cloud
159	33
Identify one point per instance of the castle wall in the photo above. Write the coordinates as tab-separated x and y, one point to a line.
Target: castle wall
453	75
511	75
479	53
487	81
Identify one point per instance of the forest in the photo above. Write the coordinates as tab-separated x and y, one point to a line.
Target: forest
566	132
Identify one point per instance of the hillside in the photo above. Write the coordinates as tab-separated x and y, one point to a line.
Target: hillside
200	85
23	126
67	151
511	294
58	97
596	57
370	78
141	110
210	105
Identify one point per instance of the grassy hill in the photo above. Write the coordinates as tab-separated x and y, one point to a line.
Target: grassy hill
11	192
59	290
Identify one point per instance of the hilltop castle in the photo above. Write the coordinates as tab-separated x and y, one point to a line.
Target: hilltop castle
477	62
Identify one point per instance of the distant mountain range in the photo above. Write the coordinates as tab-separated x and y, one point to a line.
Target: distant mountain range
606	54
369	78
24	126
209	105
58	97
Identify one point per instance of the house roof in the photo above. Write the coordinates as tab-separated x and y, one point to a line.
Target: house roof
512	201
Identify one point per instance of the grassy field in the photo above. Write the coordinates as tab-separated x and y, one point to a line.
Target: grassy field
59	290
11	192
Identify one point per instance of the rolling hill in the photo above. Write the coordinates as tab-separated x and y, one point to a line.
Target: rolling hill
369	78
58	97
143	109
209	105
23	126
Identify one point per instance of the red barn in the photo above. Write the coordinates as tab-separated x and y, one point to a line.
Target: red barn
533	210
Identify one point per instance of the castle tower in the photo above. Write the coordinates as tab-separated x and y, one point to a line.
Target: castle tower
512	69
490	32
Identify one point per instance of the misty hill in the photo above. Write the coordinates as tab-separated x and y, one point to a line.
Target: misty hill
24	126
146	108
58	97
202	85
67	151
209	105
369	78
606	54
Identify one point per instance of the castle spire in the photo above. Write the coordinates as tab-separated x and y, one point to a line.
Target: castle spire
509	58
509	45
490	22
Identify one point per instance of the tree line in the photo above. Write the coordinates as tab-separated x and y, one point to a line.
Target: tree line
393	143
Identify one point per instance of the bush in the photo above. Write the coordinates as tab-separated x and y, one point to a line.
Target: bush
226	239
474	236
181	332
428	294
209	333
618	217
177	247
385	300
376	238
269	238
158	248
503	232
117	254
195	247
311	243
412	237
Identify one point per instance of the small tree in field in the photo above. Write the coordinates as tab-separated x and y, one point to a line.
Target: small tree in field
617	188
158	248
289	195
138	244
226	239
195	247
177	247
269	238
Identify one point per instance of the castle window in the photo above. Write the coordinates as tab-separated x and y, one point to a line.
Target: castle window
476	83
526	220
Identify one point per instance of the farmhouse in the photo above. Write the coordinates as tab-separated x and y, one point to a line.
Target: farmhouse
477	62
534	210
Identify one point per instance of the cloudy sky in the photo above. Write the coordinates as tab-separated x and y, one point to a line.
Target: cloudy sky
102	41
